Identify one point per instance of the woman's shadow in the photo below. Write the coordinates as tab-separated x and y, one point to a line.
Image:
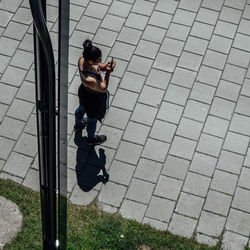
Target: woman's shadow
89	164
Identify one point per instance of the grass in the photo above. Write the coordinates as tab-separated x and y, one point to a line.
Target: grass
88	227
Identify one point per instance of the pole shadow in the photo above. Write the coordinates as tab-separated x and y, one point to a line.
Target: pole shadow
90	165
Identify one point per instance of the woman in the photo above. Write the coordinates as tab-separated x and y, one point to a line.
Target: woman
93	94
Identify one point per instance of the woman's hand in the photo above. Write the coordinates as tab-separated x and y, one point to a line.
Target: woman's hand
109	68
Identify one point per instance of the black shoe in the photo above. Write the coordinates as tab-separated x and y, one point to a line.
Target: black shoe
99	139
81	126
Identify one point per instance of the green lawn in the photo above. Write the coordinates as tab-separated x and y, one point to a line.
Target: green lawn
88	228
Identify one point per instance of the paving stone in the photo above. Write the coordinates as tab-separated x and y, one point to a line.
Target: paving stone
7	93
215	59
177	31
117	117
157	17
136	21
136	132
2	162
144	114
213	4
196	45
165	62
120	9
196	184
160	154
10	6
238	222
204	239
230	162
133	210
164	209
222	108
8	46
7	176
242	104
153	34
172	186
240	124
20	109
11	128
159	79
182	225
111	22
210	145
220	44
5	18
17	164
196	110
78	37
122	50
105	37
216	126
244	178
238	5
4	61
243	27
13	76
189	128
211	224
140	65
140	191
246	11
148	170
224	182
233	241
203	164
236	143
151	96
32	180
176	94
172	46
79	197
143	7
189	205
245	90
119	167
239	57
147	49
128	152
125	99
6	147
75	13
26	92
15	30
96	10
112	194
242	42
114	136
207	16
190	61
170	112
129	35
132	81
190	5
167	6
225	29
184	17
107	208
241	199
27	144
162	226
247	158
228	90
218	203
230	15
23	15
234	74
209	75
183	77
120	68
202	92
88	24
3	111
163	131
175	167
201	30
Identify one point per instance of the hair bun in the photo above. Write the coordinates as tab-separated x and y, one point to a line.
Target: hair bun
87	45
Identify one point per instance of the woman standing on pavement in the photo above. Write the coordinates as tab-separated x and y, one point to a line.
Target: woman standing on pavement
93	94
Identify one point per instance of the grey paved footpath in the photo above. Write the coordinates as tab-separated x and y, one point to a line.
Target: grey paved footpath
178	127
